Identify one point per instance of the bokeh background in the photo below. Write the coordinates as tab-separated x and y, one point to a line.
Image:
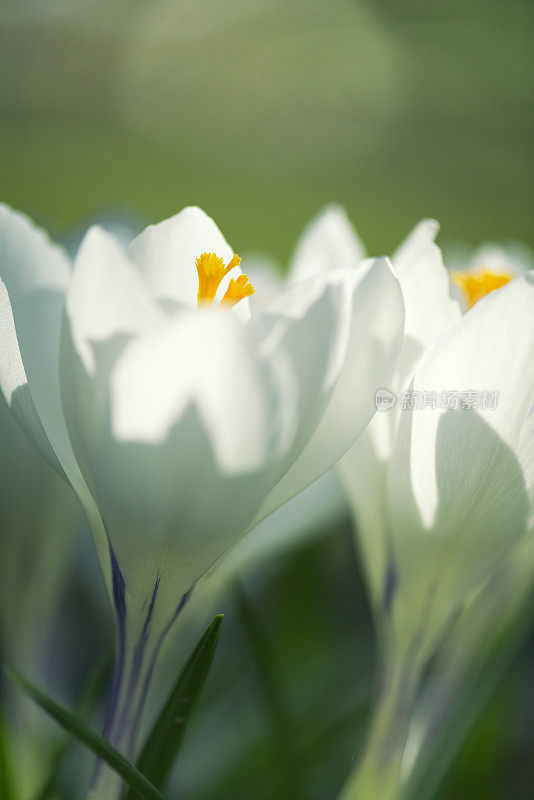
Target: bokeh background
261	112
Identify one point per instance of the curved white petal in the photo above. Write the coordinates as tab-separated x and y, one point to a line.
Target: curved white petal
363	475
370	339
178	433
36	274
166	253
205	359
310	323
14	383
329	242
460	480
513	258
489	350
30	261
106	296
429	311
429	308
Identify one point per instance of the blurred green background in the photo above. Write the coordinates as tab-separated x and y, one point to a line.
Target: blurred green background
262	111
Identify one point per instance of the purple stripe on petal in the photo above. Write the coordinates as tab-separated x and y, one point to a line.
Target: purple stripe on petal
119	602
183	600
137	660
119	590
185	597
141	644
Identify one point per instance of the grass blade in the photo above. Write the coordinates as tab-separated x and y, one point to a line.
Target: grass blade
163	744
6	782
83	707
77	726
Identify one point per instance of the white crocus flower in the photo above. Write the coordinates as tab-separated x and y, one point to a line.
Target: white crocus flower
430	311
179	417
327	243
440	496
475	273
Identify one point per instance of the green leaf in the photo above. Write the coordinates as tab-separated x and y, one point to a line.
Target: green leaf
83	707
6	782
74	724
163	744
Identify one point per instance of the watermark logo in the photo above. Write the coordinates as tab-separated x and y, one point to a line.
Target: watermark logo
384	400
447	400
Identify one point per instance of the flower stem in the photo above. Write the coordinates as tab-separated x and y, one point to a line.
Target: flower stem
139	640
133	671
378	773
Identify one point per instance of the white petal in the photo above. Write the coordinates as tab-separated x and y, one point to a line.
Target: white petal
514	258
36	274
363	475
202	358
459	480
15	384
429	311
371	338
29	259
166	253
106	296
429	308
172	506
310	323
328	243
490	349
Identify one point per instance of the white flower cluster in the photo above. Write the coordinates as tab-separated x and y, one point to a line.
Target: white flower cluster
184	402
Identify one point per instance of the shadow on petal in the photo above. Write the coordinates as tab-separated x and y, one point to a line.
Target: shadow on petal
481	513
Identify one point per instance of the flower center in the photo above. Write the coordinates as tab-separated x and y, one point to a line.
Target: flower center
476	285
211	270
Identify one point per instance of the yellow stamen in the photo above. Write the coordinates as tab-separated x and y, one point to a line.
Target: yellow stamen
476	285
237	290
211	270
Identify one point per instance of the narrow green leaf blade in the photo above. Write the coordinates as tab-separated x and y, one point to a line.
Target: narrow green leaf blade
163	744
74	724
83	707
6	782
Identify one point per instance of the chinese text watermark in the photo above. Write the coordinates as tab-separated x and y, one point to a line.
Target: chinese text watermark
448	400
